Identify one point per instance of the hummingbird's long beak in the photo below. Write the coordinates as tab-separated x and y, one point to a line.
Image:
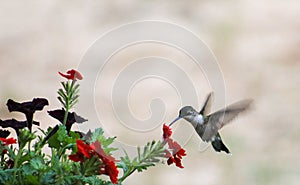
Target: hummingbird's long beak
178	118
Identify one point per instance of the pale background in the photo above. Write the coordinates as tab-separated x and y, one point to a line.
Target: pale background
257	44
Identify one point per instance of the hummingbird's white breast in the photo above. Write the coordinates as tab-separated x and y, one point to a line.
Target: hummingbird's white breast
195	119
198	119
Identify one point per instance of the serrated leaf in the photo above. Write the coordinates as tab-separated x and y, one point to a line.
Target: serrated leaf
96	134
37	163
61	138
48	177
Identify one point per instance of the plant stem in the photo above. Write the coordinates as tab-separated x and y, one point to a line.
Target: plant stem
16	165
128	172
66	114
133	168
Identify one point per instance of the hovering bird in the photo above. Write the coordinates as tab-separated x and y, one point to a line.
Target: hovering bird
208	125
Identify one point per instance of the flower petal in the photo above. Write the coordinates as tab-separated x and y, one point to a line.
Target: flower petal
8	141
71	119
78	157
83	148
177	151
12	123
27	107
71	75
167	132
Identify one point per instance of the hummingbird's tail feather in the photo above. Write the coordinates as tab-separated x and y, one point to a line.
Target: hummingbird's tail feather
218	144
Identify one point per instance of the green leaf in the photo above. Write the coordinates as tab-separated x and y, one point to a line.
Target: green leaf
76	87
25	136
68	87
93	180
32	179
62	102
24	158
62	94
6	175
97	135
139	153
61	138
48	177
64	85
37	163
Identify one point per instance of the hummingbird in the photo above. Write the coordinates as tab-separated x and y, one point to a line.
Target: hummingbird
207	124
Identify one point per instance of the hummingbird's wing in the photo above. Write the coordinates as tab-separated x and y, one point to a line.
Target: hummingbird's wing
222	117
207	104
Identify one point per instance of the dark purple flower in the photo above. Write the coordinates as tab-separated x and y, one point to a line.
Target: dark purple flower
28	108
17	125
72	118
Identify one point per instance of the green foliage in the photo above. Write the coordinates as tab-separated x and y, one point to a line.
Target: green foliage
151	154
25	136
94	180
69	94
61	139
98	135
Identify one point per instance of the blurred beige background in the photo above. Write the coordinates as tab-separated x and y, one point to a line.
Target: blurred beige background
257	44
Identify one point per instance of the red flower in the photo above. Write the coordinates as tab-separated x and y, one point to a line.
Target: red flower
175	152
176	158
78	157
8	141
167	132
72	75
83	150
96	146
108	167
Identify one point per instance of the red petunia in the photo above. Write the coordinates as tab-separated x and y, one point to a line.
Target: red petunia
84	149
167	132
8	141
175	152
72	75
78	157
108	167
